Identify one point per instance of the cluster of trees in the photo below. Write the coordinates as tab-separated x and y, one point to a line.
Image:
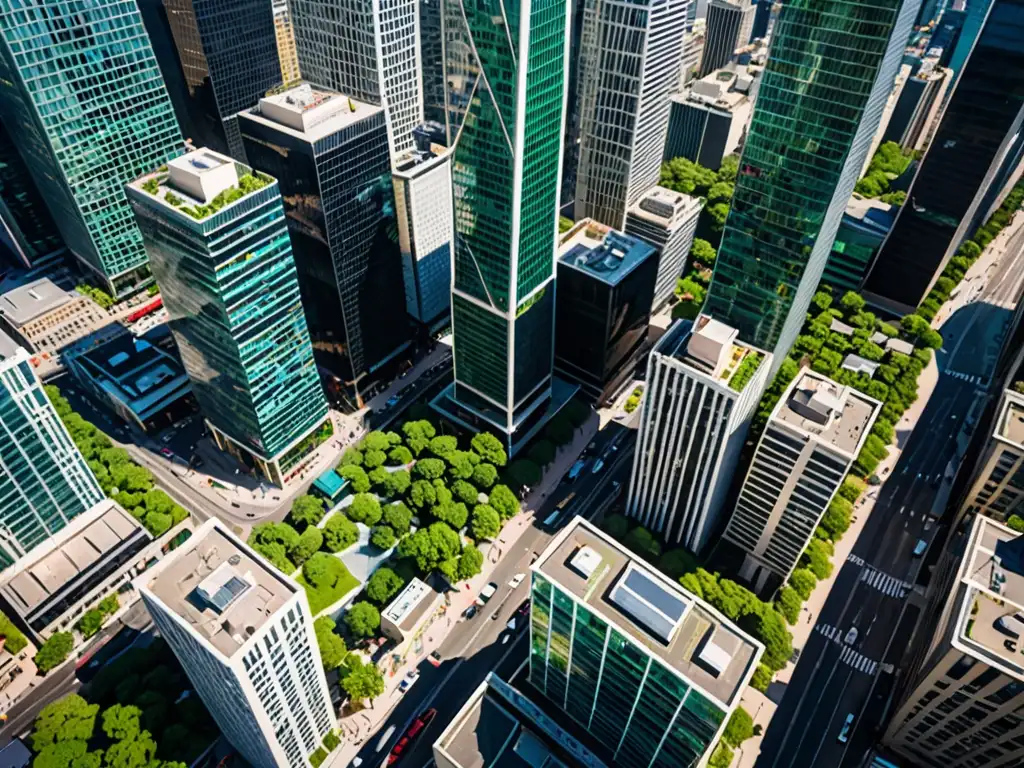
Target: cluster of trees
93	619
690	178
131	715
633	401
358	679
54	651
889	162
691	288
331	743
14	639
126	482
739	728
104	299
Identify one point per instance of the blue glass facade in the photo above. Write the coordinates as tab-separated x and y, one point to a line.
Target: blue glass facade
28	224
80	87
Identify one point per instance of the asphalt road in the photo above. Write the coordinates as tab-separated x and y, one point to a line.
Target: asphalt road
476	646
834	679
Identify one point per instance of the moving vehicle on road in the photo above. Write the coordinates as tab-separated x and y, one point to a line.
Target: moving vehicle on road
486	593
167	453
434	658
408	681
920	547
598	466
517	580
574	472
564	502
419	725
470	612
851	636
844	732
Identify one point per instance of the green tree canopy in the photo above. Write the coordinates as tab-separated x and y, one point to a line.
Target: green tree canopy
363	681
375	441
339	533
363	619
739	728
442	445
489	448
332	647
306	510
399	455
682	175
67	719
356	476
310	542
121	722
54	651
454	513
430	546
504	501
803	582
486	522
428	469
465	492
365	509
702	252
789	603
383	537
383	585
396	483
470	562
422	494
398	517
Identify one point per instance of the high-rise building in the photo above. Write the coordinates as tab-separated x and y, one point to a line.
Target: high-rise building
668	221
432	60
762	14
803	152
423	201
865	224
244	636
693	51
628	67
91	113
571	137
729	27
217	239
229	58
998	490
603	306
27	225
962	708
977	146
45	481
285	34
812	438
505	125
368	51
887	112
703	385
914	117
975	17
330	155
655	672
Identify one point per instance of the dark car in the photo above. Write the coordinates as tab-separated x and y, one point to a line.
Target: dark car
470	612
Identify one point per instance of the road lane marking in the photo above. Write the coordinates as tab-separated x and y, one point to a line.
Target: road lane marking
884	583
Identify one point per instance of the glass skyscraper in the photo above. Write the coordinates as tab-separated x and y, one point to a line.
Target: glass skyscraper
220	250
505	128
44	481
23	215
80	88
830	69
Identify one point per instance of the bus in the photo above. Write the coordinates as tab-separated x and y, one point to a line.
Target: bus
564	502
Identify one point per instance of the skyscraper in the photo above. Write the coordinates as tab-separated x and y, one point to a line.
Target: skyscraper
229	58
244	635
976	147
432	60
649	670
219	246
816	114
629	65
91	113
998	490
45	481
730	25
813	436
26	222
367	50
286	52
702	388
329	153
506	116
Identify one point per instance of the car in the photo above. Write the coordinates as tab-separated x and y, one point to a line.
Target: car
385	738
524	608
434	658
598	466
844	732
486	593
574	472
517	580
167	438
408	681
393	401
920	547
470	612
851	636
419	725
167	453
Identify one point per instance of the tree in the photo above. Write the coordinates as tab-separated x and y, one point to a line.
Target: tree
803	582
310	542
778	643
132	753
383	585
356	476
761	678
442	445
428	469
383	537
461	464
489	448
504	501
418	435
306	510
616	526
470	563
339	533
817	558
431	546
378	477
91	622
931	339
363	681
375	441
157	523
852	302
69	718
822	300
702	252
332	647
1016	522
739	728
54	651
422	494
362	619
564	224
682	175
641	541
398	517
396	483
399	455
484	475
721	757
454	513
852	488
486	522
542	452
131	477
374	459
676	562
465	492
121	722
61	755
352	457
788	602
524	472
365	509
914	325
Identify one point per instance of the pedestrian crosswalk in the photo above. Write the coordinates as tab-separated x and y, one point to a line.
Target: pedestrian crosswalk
884	583
969	377
855	559
847	655
832	633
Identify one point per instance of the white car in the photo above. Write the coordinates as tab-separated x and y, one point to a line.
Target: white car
408	681
517	580
598	466
851	636
486	593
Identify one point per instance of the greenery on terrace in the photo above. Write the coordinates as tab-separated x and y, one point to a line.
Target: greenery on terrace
247	184
887	165
745	371
101	297
14	639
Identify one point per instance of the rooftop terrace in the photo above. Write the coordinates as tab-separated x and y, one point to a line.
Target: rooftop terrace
712	348
308	113
602	252
27	302
665	208
830	413
662	618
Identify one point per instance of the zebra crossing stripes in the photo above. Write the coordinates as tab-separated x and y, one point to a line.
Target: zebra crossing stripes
855	559
858	660
832	633
884	583
969	377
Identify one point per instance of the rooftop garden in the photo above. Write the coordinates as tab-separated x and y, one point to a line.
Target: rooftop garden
887	165
745	371
247	184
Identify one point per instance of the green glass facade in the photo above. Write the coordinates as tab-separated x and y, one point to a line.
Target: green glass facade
829	71
44	480
80	88
646	714
506	95
229	284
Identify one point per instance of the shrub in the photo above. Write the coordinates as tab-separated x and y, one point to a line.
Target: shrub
616	526
484	475
761	678
357	476
362	619
739	728
428	469
15	638
399	455
326	580
788	602
306	510
504	501
54	651
470	563
803	582
486	522
383	585
398	517
383	537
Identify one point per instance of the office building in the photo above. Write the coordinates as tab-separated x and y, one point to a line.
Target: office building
329	153
762	15
998	490
729	29
708	118
976	148
43	317
432	60
702	388
887	112
244	635
25	223
693	51
505	134
83	143
917	111
426	230
571	136
865	224
603	307
368	51
668	221
45	482
220	251
962	707
285	35
803	152
975	16
628	67
229	57
655	672
813	436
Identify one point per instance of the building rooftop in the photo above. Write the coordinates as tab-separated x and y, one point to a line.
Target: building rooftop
309	114
1011	420
666	208
831	414
602	252
219	587
90	537
898	345
662	618
409	605
709	346
859	364
27	302
725	89
8	346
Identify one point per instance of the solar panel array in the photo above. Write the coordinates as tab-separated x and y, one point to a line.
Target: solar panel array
649	603
227	593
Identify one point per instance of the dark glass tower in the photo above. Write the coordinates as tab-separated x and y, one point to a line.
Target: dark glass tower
830	70
976	147
432	60
23	215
